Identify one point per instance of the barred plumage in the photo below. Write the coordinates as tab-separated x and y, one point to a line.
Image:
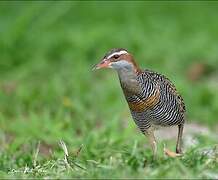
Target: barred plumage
152	98
168	109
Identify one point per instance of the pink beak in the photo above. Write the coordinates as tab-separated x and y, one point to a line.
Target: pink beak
105	63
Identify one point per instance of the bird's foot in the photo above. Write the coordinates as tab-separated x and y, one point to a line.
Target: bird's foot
178	151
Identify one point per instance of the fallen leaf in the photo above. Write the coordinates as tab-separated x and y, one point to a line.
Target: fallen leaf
171	153
196	71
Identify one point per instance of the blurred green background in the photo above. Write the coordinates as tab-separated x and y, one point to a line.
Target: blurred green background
48	91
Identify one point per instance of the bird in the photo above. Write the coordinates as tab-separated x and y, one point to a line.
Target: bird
152	98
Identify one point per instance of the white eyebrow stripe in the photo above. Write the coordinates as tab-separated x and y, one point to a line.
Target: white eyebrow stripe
117	53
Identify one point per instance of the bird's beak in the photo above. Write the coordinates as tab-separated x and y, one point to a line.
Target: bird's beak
105	63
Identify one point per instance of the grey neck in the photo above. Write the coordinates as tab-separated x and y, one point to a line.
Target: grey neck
127	76
128	81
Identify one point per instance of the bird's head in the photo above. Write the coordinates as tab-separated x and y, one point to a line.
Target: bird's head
117	59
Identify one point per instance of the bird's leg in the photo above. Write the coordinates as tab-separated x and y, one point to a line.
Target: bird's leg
179	139
152	141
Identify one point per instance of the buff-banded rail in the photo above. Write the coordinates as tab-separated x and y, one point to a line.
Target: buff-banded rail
152	98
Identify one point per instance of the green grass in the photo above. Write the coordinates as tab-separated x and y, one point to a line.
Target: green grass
48	91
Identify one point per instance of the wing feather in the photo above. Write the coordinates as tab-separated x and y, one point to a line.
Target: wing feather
160	79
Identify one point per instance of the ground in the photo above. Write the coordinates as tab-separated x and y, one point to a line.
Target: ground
48	92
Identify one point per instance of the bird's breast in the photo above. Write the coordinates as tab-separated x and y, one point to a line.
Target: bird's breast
140	105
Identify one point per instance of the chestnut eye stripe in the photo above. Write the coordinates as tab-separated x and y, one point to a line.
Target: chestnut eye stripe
117	54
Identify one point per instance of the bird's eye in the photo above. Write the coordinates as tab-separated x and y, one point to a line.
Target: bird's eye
116	56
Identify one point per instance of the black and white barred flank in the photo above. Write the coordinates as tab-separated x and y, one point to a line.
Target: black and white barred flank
168	111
